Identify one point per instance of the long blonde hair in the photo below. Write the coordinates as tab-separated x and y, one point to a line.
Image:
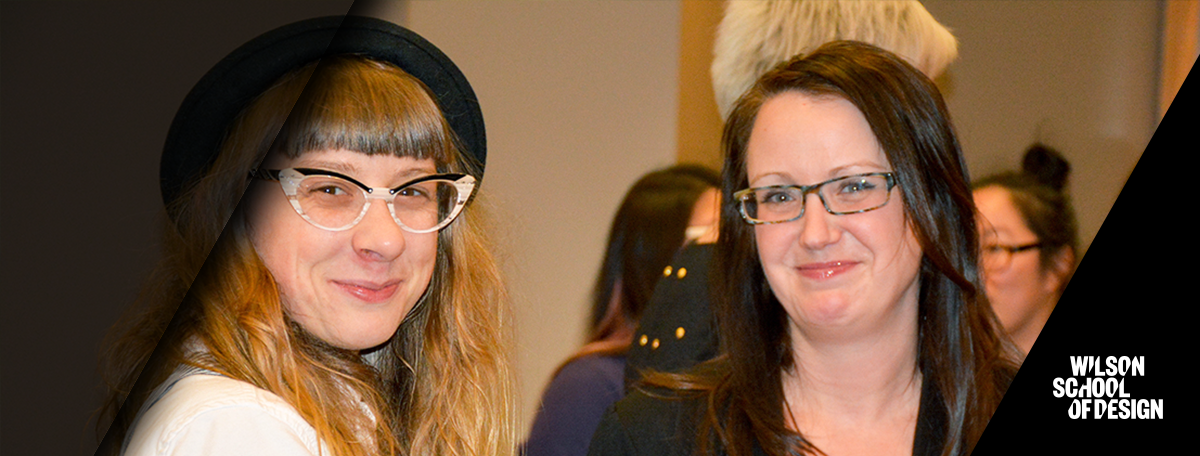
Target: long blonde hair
441	385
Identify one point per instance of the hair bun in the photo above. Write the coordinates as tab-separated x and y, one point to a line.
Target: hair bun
1047	166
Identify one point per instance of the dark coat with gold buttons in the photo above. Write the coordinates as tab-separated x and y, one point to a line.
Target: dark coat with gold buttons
677	329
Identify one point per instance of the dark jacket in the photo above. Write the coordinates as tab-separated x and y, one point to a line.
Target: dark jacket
662	423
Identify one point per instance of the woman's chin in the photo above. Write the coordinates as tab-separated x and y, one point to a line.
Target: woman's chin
825	313
361	340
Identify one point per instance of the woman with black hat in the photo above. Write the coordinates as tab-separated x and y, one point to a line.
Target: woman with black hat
350	305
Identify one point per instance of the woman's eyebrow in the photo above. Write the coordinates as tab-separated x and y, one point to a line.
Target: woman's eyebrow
339	167
753	180
351	170
840	171
417	172
860	165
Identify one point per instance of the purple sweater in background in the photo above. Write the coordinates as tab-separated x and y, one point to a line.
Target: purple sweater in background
573	404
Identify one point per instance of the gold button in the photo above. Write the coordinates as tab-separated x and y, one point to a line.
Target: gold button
679	332
682	272
667	271
654	345
643	340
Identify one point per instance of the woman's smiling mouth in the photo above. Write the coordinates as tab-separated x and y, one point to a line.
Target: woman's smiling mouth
369	291
826	270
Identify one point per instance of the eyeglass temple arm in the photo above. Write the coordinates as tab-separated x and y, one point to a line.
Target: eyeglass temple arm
264	174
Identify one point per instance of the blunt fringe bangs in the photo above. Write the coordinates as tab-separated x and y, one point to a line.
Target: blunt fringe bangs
368	107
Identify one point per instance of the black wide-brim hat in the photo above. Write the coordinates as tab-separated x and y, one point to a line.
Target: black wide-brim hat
200	125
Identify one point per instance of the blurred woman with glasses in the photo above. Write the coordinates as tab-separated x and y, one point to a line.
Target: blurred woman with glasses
851	316
1028	233
350	306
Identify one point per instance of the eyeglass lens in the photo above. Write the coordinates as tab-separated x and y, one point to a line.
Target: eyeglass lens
335	203
1000	256
839	196
996	257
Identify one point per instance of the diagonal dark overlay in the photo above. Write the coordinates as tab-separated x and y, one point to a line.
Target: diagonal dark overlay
88	92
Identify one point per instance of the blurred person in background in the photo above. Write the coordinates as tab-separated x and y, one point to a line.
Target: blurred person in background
661	212
1029	241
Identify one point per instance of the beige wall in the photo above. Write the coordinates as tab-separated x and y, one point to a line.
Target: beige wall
1079	76
581	97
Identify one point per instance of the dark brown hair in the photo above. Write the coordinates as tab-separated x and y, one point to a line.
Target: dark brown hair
960	353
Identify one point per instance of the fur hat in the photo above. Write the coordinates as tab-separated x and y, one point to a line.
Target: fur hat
756	35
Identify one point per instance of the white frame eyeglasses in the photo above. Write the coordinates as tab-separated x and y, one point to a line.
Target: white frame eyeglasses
291	179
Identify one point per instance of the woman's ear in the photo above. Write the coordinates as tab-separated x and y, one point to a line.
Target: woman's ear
1061	268
703	227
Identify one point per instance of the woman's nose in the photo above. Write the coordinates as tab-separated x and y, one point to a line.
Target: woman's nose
817	225
378	237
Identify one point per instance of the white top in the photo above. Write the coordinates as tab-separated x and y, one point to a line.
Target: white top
197	412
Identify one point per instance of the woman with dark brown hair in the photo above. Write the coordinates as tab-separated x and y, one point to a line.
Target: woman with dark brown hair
851	317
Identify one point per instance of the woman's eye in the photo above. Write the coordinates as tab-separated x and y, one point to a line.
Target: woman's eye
330	190
857	186
776	197
327	189
413	192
